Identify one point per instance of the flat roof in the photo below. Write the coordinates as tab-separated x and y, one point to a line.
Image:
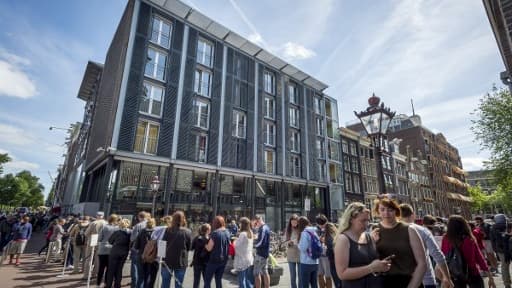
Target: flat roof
88	85
200	21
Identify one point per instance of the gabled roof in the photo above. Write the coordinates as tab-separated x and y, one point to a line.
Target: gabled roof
195	18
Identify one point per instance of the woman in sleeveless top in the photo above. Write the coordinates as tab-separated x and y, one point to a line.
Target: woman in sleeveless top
401	244
357	262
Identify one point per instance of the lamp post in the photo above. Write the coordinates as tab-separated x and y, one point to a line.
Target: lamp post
375	121
155	185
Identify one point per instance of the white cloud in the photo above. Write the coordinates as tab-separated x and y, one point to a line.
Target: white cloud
473	163
12	135
16	165
293	51
255	38
14	81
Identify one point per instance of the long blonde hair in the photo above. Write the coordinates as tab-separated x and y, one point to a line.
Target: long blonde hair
352	211
246	226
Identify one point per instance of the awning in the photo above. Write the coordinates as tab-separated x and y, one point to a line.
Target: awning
459	170
454	181
457	196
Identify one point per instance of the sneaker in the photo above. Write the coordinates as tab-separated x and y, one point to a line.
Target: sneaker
70	267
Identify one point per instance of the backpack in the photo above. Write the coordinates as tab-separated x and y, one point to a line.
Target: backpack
316	249
150	251
458	267
80	237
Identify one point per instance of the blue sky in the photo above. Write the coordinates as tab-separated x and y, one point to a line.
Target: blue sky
441	54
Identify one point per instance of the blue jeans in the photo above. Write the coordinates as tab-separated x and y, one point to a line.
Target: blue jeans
308	275
244	280
179	275
136	270
216	269
294	268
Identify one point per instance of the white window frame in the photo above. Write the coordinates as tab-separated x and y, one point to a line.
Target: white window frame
269	82
201	57
292	93
268	137
295	141
154	73
317	103
197	150
159	31
294	115
150	95
320	148
237	115
322	170
269	107
146	136
320	126
295	169
197	104
266	152
199	80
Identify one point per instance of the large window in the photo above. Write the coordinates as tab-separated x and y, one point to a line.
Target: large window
334	150
335	173
295	165
295	141
269	108
151	102
292	94
200	113
317	103
269	158
319	127
204	53
161	32
146	138
200	148
294	117
357	184
269	82
269	134
202	82
321	171
348	182
320	148
239	124
155	64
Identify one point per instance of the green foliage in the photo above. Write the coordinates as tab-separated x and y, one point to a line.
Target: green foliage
22	189
481	201
4	158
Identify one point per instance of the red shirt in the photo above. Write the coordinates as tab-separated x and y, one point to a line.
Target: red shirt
479	236
470	252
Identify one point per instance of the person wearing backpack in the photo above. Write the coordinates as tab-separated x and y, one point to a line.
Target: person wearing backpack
148	264
79	241
464	258
500	243
104	247
201	255
310	250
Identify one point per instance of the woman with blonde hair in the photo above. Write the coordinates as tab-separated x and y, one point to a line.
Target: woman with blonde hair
120	241
356	259
400	243
243	253
104	247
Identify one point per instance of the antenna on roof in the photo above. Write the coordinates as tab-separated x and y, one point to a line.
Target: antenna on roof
412	105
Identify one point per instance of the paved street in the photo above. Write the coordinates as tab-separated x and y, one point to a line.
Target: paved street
33	273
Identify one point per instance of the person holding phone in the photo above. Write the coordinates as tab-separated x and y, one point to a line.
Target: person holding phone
292	252
400	243
357	262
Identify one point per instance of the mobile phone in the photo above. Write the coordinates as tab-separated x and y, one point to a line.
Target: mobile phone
390	257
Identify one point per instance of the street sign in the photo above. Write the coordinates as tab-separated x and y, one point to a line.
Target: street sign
94	240
162	247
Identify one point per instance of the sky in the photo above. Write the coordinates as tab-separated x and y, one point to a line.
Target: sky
441	54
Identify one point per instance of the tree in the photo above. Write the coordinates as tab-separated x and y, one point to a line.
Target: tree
4	158
480	200
493	130
22	189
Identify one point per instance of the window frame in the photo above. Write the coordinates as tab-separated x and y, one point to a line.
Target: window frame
294	114
145	138
293	96
295	170
269	76
198	87
154	72
266	134
197	113
151	99
196	148
162	21
235	129
267	107
266	162
295	141
205	43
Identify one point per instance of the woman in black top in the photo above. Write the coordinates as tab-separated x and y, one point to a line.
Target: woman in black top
120	242
218	245
201	255
149	269
179	242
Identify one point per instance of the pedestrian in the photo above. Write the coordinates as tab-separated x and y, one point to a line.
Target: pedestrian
90	251
324	267
357	261
402	244
120	241
218	246
22	231
329	239
260	270
149	269
233	228
308	266
179	242
47	238
485	229
78	240
458	236
500	243
6	231
243	253
292	250
432	251
201	255
135	265
56	239
104	247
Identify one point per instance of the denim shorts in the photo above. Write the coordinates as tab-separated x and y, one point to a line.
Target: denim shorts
260	265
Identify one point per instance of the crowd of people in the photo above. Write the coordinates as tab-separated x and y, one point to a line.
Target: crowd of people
353	253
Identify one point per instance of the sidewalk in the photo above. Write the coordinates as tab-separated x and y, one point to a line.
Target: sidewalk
33	273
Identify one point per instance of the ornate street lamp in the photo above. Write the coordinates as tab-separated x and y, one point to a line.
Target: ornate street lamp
155	185
375	121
